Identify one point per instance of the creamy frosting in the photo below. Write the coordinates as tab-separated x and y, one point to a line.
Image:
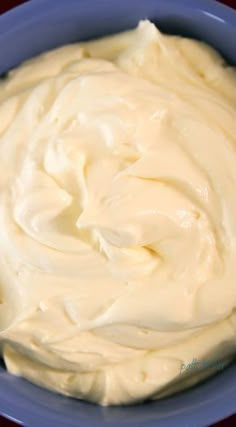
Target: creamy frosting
118	215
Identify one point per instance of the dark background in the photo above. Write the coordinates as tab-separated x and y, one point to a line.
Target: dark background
4	6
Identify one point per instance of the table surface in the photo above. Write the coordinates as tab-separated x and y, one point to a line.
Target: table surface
4	6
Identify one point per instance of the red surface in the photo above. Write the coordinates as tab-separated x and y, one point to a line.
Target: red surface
8	4
231	3
4	6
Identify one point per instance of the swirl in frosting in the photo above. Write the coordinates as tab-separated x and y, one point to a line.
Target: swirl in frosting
118	216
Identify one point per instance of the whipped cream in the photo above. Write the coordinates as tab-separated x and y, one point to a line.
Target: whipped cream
118	216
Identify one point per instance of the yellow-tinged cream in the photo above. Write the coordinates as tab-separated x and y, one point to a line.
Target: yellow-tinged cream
118	216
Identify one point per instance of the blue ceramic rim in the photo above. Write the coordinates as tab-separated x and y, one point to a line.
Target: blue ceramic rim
23	13
31	415
19	411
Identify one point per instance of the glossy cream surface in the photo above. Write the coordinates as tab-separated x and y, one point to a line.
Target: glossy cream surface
118	216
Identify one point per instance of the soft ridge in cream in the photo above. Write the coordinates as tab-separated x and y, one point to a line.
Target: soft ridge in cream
118	216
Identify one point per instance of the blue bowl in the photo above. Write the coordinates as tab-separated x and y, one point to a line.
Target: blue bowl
44	24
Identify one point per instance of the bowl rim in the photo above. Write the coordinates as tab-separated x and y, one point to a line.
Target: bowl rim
22	13
20	17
